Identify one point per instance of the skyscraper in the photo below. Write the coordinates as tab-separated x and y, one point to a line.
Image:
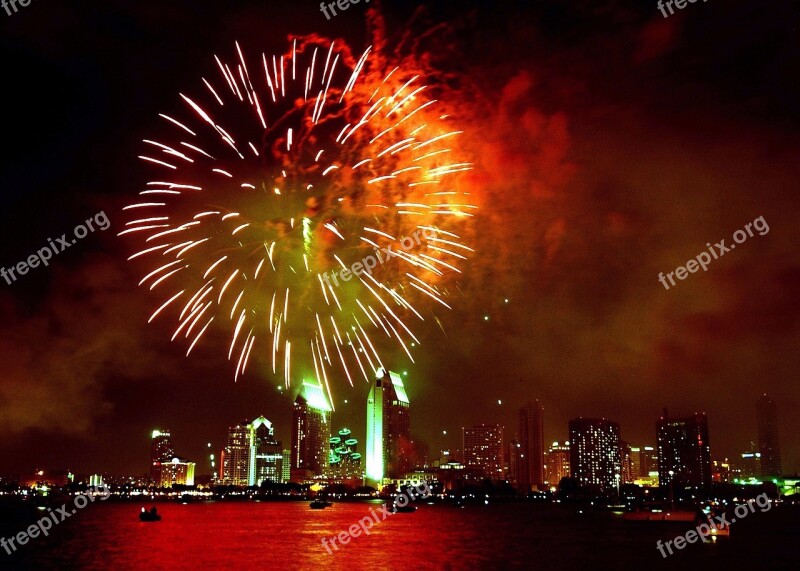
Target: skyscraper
266	453
684	454
530	464
236	456
557	463
166	468
252	455
594	446
626	458
484	450
161	450
311	432
388	428
768	442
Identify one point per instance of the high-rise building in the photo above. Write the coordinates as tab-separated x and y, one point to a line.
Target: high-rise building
768	442
236	457
750	465
626	459
166	468
311	432
684	454
388	428
266	453
252	455
594	446
286	474
484	450
644	461
161	450
557	463
530	465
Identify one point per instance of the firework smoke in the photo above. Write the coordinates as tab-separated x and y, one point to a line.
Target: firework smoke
288	167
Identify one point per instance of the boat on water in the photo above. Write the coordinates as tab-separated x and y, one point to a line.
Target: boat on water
151	515
319	504
396	509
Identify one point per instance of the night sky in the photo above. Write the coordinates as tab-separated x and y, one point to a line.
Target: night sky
610	144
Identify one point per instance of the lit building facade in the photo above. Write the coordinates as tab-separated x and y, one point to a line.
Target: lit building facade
161	450
236	457
252	455
388	428
484	450
769	446
344	458
177	471
626	458
595	453
557	463
530	462
266	453
684	453
311	432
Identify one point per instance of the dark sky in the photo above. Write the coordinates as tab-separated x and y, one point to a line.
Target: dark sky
610	144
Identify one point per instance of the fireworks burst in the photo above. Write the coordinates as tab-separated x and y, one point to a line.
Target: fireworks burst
283	172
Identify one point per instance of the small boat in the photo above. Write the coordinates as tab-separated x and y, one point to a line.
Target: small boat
151	515
319	504
406	509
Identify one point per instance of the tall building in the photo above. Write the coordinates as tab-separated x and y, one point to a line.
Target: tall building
530	465
557	463
594	446
311	432
236	457
684	454
750	465
626	459
388	428
768	442
484	450
161	450
266	453
287	466
252	455
166	468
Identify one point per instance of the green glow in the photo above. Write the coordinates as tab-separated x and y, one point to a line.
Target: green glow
307	234
315	396
399	388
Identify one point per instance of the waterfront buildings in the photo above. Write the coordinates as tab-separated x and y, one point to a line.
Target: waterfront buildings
484	451
311	433
388	428
595	453
530	462
684	454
